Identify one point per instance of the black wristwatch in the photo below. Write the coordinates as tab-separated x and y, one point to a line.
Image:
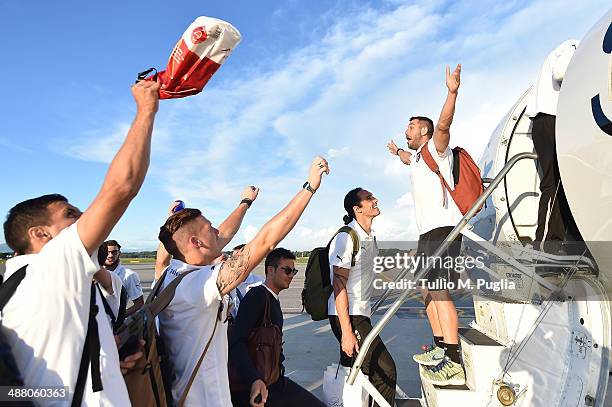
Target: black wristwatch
247	201
307	187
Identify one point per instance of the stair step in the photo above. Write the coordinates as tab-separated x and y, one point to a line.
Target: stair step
408	403
482	358
437	396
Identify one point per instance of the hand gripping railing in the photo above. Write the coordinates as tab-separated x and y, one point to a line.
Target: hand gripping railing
363	349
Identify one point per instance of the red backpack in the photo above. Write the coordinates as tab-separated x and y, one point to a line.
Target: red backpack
466	174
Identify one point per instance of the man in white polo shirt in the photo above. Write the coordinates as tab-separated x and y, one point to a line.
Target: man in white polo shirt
129	278
352	276
436	215
47	319
196	315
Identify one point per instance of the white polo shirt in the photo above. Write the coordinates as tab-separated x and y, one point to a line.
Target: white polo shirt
251	281
186	325
361	276
130	280
46	321
430	213
545	94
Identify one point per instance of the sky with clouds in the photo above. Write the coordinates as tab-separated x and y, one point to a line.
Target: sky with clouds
333	78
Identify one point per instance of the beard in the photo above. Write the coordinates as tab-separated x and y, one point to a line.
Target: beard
112	265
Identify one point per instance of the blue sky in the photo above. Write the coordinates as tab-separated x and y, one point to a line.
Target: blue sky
336	78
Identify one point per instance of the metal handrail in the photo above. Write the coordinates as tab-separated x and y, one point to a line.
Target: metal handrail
363	349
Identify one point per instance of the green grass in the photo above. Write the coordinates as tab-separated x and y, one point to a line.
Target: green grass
301	260
135	260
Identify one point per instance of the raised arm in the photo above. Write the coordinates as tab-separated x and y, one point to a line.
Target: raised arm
162	257
126	172
230	226
404	156
441	136
238	267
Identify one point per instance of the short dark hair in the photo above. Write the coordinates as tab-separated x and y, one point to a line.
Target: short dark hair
350	200
23	216
239	247
174	223
273	258
103	253
427	122
112	243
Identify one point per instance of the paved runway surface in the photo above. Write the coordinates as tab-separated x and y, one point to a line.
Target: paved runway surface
310	346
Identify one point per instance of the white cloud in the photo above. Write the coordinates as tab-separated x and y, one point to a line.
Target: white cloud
405	201
346	95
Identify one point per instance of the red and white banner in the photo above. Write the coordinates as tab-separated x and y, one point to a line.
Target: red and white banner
196	57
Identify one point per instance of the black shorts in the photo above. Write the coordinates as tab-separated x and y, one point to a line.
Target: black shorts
442	272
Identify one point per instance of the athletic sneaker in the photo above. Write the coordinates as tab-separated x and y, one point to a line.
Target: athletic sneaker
446	373
431	357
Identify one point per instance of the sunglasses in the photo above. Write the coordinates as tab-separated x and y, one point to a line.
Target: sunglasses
113	251
289	271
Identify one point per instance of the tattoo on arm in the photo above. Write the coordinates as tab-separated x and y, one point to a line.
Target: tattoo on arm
233	269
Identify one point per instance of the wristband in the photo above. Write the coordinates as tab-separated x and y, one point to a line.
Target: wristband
398	150
247	201
307	187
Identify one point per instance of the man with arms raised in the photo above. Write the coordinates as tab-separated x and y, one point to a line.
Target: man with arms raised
48	316
436	216
197	313
227	229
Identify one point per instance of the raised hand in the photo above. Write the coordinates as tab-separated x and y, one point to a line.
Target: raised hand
392	147
146	95
250	193
453	80
172	207
318	167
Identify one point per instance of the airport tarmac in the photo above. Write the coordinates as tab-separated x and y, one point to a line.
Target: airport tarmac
310	346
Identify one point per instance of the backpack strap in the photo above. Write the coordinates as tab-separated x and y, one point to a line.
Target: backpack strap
159	301
122	307
433	166
8	288
267	321
91	354
354	238
107	307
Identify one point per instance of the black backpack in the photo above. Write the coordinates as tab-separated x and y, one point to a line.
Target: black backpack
318	286
9	372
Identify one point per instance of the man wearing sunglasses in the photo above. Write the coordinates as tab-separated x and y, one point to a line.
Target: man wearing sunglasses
280	270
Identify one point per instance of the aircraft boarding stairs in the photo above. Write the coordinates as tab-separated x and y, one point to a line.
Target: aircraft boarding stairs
531	346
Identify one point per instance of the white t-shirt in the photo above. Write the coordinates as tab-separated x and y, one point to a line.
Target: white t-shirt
430	213
46	321
251	281
186	325
544	96
130	280
361	276
114	299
